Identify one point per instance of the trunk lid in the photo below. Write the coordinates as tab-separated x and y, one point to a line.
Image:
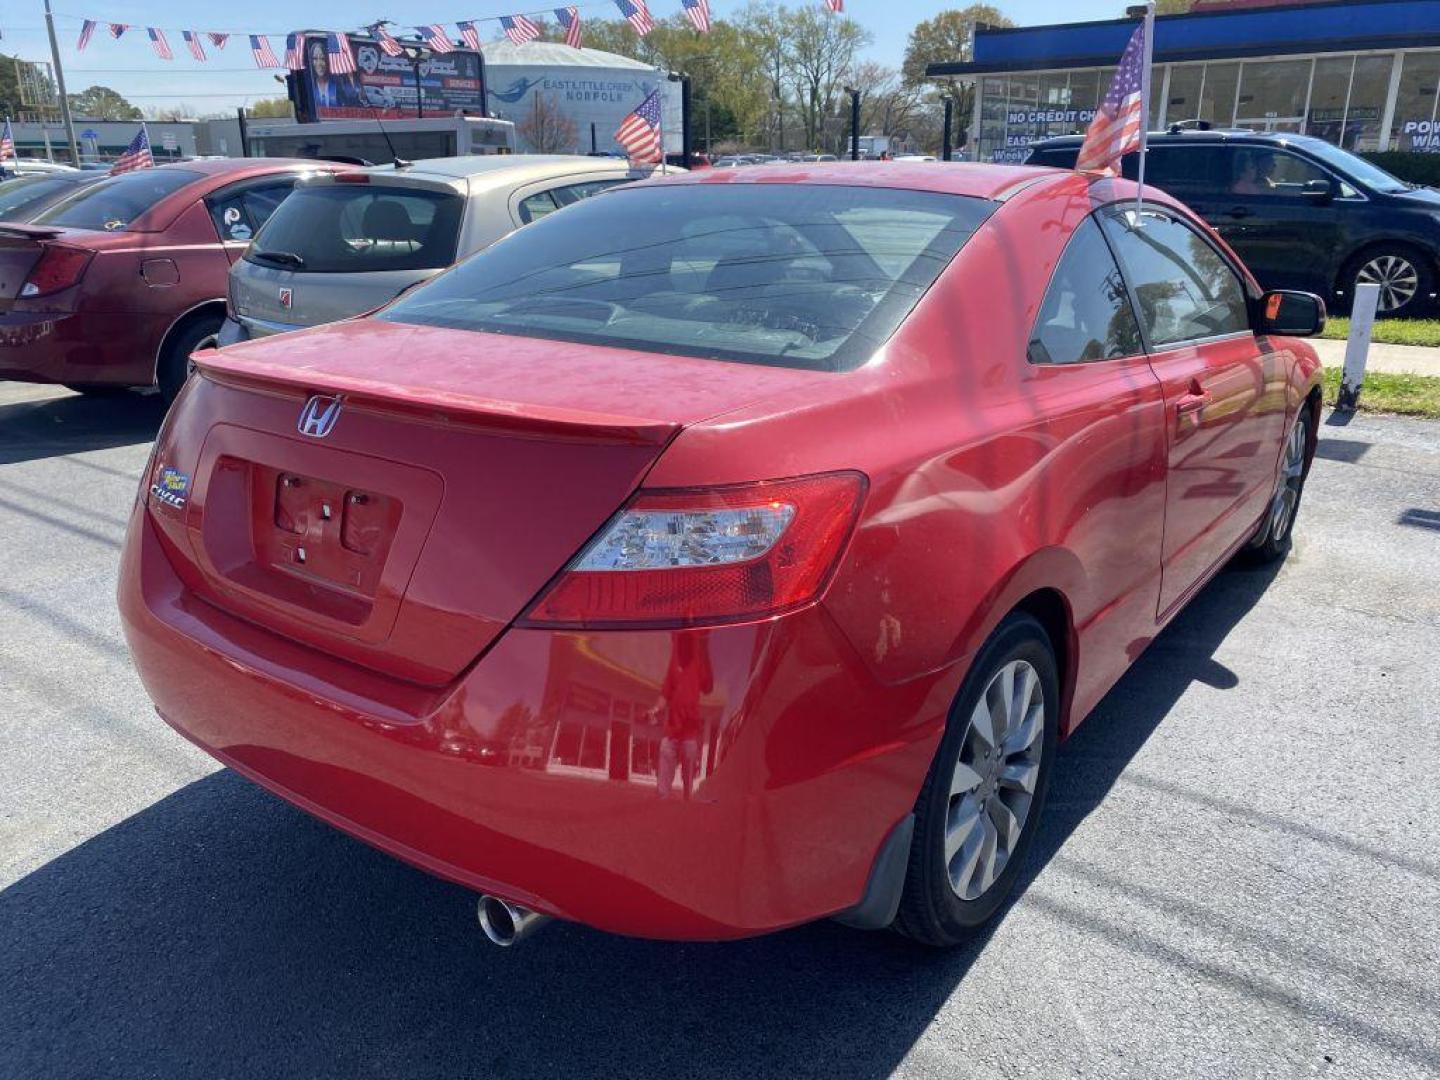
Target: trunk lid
272	294
460	473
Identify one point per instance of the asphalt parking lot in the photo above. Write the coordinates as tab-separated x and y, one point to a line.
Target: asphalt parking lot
1239	873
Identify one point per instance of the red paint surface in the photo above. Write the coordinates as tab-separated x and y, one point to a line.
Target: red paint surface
542	765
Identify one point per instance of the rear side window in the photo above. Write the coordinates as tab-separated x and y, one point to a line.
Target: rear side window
1185	290
354	228
534	207
1086	313
112	204
804	276
25	191
238	213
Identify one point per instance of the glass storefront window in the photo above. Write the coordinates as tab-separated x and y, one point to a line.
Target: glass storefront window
1368	90
1184	101
1413	127
1084	98
1329	91
1272	95
1217	103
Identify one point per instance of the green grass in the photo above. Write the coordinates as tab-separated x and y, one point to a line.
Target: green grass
1402	395
1390	331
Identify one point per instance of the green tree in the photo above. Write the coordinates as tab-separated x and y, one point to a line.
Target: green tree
822	56
276	108
101	103
948	38
1173	7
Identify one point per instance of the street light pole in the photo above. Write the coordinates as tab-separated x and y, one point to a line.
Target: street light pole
854	122
60	87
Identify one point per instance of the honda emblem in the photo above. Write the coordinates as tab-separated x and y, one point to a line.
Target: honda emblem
286	296
318	416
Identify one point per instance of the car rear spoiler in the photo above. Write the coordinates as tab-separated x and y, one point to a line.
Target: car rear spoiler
30	232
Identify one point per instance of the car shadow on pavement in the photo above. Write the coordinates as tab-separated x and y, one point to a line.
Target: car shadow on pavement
74	423
222	933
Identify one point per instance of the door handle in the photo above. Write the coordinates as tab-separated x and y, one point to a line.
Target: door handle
1193	402
1238	212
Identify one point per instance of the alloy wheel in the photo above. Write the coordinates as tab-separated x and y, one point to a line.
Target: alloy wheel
993	785
1397	277
1292	475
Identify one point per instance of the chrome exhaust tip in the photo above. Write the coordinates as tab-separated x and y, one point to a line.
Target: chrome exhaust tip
505	923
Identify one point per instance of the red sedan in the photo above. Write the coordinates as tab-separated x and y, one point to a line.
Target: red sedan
728	551
119	284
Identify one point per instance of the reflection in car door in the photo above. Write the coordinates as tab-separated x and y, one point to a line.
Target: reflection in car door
1224	395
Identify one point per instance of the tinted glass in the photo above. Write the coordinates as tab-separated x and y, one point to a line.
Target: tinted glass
239	213
536	206
25	191
1352	165
1184	288
794	275
1260	171
354	228
1086	312
112	204
1183	170
573	193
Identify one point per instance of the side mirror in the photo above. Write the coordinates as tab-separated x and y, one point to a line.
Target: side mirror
1294	314
1321	191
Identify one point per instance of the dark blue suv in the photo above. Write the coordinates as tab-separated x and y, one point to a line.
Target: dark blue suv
1302	213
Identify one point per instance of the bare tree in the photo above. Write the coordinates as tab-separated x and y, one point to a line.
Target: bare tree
822	53
547	129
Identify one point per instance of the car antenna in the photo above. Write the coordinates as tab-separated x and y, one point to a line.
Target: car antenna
395	159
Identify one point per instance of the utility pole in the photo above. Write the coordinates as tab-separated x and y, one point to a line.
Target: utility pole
949	117
60	86
854	122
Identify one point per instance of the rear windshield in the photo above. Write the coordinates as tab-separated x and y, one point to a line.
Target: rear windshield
804	276
353	228
112	204
25	191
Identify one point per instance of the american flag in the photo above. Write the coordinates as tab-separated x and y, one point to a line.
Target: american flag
337	49
388	44
698	12
637	15
117	28
1120	122
294	52
639	133
7	143
837	6
136	156
86	29
519	29
469	34
192	39
218	40
158	42
264	55
569	18
435	37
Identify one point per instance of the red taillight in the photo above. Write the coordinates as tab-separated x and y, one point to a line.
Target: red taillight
708	555
60	267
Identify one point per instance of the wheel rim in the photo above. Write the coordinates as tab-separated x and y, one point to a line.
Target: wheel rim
993	785
1397	277
1287	495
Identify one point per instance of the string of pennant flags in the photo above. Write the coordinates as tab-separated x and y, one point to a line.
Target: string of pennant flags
519	29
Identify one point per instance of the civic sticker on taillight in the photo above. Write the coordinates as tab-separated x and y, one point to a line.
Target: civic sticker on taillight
171	487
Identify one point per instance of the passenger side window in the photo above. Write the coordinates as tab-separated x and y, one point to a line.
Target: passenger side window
1277	174
1184	289
573	193
1086	313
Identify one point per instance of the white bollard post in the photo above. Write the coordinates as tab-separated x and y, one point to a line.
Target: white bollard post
1357	346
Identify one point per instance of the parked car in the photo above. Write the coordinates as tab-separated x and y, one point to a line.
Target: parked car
726	552
117	285
349	242
30	194
1301	212
25	166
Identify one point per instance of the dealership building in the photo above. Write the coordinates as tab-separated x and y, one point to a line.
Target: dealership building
1364	74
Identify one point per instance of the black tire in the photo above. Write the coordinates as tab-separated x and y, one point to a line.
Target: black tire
1273	538
931	910
174	366
1384	260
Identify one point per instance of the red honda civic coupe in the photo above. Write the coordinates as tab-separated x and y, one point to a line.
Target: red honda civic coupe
117	285
727	551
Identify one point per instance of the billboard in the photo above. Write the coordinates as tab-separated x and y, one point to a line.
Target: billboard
385	86
589	97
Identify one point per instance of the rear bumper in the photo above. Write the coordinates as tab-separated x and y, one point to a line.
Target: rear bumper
542	774
78	348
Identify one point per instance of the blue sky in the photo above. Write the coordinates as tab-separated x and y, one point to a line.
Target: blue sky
229	78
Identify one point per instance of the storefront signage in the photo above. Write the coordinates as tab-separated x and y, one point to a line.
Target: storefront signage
1010	155
1424	135
1050	116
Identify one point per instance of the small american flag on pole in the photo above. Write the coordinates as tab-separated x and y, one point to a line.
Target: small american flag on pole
192	41
436	38
469	35
136	156
86	29
388	45
837	6
569	18
698	12
519	29
264	55
639	133
218	40
337	50
158	42
117	28
637	15
7	143
1119	125
294	52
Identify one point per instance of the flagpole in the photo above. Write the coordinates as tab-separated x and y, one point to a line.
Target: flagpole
660	112
1149	53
